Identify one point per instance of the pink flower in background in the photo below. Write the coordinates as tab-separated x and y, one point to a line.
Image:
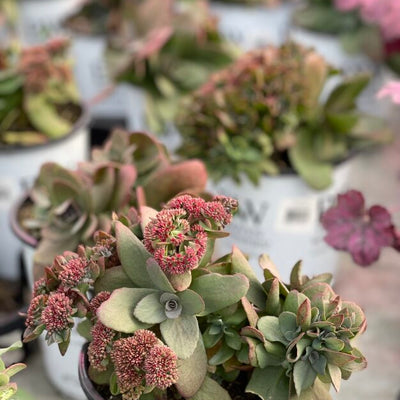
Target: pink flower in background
391	89
347	5
351	227
384	13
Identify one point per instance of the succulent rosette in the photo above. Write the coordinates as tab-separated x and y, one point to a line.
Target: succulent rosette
262	115
69	206
39	97
194	330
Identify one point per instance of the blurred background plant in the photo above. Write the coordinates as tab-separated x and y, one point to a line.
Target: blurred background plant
262	115
39	100
67	206
369	26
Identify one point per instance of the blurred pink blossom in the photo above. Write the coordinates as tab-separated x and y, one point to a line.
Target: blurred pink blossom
384	13
391	89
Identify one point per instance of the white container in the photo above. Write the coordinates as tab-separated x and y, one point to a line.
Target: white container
331	48
18	169
280	218
40	20
120	103
253	26
62	371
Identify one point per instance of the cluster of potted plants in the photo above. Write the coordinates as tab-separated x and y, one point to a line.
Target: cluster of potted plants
259	123
42	118
65	207
163	320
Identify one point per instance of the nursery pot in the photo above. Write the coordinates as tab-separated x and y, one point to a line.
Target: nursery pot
123	103
40	20
18	168
280	217
254	26
86	384
61	370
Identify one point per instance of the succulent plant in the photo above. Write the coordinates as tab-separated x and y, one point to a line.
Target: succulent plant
9	389
171	57
39	99
351	227
160	326
262	115
70	205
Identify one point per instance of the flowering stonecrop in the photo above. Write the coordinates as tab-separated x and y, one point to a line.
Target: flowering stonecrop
392	90
69	206
39	95
154	334
362	232
177	237
262	115
143	360
178	47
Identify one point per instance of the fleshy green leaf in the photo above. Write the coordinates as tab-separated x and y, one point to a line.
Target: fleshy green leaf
149	309
192	371
158	277
192	303
269	383
269	326
112	279
133	256
303	375
211	390
181	334
117	312
210	287
256	293
223	354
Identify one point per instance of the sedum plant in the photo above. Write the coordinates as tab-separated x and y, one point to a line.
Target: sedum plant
9	389
129	170
262	115
165	320
178	47
39	100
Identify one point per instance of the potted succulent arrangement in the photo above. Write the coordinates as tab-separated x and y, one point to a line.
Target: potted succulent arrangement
267	139
165	321
254	23
91	26
42	118
65	207
175	54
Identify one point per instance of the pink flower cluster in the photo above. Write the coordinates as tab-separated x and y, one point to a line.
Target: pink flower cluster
384	13
391	89
175	237
142	360
56	297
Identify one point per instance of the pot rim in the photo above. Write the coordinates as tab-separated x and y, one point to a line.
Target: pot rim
86	383
16	227
82	121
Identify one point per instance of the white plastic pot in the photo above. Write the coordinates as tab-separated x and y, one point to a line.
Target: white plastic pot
123	103
18	169
280	217
40	20
253	26
62	371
